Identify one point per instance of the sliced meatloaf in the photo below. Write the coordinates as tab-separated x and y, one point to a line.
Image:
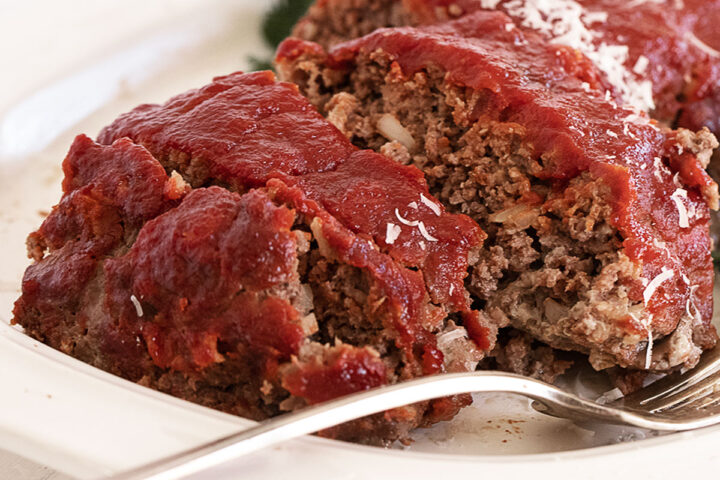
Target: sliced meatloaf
597	216
659	56
234	249
662	57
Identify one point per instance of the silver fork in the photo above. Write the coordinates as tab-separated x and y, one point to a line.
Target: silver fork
682	401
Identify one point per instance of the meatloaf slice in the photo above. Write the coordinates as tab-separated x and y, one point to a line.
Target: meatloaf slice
597	217
661	57
280	267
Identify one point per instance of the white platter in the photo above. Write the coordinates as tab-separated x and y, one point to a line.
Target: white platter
74	66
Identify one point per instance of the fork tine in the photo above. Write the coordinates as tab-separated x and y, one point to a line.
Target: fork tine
714	401
691	394
674	383
705	404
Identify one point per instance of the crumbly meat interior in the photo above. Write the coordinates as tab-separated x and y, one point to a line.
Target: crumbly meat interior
553	265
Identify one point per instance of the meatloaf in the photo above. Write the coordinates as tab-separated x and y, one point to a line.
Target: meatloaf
659	56
662	57
234	249
597	217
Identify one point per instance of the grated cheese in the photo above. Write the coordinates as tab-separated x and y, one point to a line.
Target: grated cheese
566	22
392	233
691	302
138	307
648	351
649	291
595	17
577	130
660	168
637	3
690	36
413	205
404	221
452	289
641	65
430	204
676	179
677	197
647	324
425	233
489	4
446	338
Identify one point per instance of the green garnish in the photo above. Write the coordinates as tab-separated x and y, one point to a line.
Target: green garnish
258	64
276	27
281	18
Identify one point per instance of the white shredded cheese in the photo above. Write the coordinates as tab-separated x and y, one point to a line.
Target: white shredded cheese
413	205
648	351
579	132
690	36
566	22
452	289
660	168
404	221
641	65
595	17
446	338
422	245
430	204
676	179
392	233
648	329
659	244
489	4
610	133
138	307
424	233
649	291
677	197
636	3
690	302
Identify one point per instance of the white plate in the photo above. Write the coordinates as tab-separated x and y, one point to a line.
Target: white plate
77	64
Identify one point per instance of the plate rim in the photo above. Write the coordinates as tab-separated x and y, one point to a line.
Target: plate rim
36	347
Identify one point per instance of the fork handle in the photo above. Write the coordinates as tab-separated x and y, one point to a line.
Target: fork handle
351	407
